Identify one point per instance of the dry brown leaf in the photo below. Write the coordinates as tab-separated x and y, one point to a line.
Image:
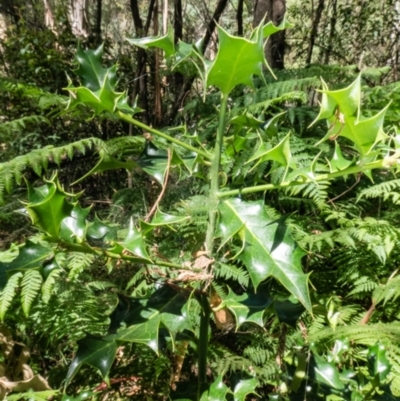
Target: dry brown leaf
202	262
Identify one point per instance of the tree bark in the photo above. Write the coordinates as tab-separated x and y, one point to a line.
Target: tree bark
314	31
178	35
275	47
140	82
239	17
332	30
48	16
98	21
79	19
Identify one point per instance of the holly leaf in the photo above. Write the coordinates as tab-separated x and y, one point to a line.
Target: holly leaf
244	388
326	373
105	163
288	312
338	162
135	243
100	232
161	219
279	153
247	308
378	364
165	42
30	256
94	351
217	392
73	227
48	206
237	60
166	308
98	85
267	247
269	28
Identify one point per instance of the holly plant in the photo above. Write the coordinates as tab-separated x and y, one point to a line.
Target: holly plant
188	298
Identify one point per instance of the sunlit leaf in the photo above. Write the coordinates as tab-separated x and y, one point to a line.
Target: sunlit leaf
327	374
31	256
217	391
267	247
378	364
244	388
48	207
73	227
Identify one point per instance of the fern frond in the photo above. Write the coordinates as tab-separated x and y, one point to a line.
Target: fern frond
8	293
30	287
228	271
77	262
49	284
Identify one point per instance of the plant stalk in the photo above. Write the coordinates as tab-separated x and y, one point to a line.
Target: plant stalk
214	176
212	218
322	177
154	131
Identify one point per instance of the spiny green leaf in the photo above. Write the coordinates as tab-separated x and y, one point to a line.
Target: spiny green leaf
217	391
378	364
31	256
237	61
73	227
247	307
326	373
244	388
134	242
165	42
48	206
268	249
165	308
338	162
97	352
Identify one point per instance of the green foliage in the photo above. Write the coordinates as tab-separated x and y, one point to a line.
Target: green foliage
209	288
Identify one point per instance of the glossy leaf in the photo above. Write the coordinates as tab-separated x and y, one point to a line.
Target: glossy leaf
269	28
338	162
327	374
165	308
237	61
342	110
98	231
165	42
161	219
288	312
244	388
98	85
91	71
134	242
73	227
31	256
279	153
217	391
107	162
94	351
378	364
267	247
248	307
48	207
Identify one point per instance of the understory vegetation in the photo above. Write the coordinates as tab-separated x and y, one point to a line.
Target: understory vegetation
234	241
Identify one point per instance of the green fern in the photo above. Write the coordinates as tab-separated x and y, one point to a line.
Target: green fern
30	287
49	285
229	271
8	293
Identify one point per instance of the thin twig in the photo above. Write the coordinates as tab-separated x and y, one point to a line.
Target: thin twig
347	190
155	206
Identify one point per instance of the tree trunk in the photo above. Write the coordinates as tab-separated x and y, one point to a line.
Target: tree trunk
332	30
48	16
178	32
275	47
239	17
79	19
314	31
140	82
98	21
188	82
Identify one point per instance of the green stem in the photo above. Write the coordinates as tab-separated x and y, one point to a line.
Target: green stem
103	252
214	176
212	218
322	177
153	131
